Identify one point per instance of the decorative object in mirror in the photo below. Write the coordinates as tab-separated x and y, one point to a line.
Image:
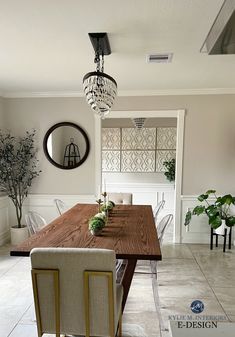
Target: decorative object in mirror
66	145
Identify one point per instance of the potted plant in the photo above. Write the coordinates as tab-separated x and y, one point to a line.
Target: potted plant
18	168
170	169
218	212
96	224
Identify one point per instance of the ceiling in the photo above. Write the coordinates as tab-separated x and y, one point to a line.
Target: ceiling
44	45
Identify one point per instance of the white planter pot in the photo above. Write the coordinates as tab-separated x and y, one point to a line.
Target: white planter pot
18	235
221	228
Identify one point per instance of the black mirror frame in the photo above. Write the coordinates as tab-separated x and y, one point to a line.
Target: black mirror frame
46	150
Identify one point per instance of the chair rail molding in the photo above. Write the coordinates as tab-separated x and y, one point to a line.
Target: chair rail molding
179	114
40	203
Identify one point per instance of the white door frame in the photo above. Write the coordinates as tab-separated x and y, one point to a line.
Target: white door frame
179	114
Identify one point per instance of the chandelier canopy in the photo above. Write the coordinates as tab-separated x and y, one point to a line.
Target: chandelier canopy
100	89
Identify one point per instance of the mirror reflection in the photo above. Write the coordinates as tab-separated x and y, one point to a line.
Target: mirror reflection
66	145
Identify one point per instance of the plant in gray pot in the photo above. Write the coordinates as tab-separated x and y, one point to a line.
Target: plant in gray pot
18	168
96	224
218	211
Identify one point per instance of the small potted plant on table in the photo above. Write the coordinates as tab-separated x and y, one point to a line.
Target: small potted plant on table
96	224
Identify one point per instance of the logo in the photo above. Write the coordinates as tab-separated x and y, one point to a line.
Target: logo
197	306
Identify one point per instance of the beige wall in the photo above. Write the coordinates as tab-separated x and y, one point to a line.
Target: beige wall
209	145
41	113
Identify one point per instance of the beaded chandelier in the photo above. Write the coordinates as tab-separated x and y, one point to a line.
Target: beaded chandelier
100	89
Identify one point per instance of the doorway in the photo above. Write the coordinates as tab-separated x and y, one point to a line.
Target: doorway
178	116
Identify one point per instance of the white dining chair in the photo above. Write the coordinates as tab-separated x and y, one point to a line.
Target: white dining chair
35	222
161	229
158	208
162	226
61	206
120	198
75	292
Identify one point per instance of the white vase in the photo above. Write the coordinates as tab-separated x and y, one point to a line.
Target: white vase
18	235
221	228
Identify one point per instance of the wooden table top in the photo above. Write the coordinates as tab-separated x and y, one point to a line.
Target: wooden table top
130	232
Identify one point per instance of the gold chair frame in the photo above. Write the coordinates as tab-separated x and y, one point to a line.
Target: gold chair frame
87	274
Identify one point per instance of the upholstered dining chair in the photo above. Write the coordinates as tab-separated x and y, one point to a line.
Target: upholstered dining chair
158	208
60	206
75	291
121	198
35	222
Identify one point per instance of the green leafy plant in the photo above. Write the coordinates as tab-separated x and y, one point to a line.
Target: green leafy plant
170	169
18	168
217	211
96	223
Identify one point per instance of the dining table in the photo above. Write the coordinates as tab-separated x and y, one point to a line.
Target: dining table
130	231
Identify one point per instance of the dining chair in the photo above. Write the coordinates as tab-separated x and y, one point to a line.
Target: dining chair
35	222
75	291
61	206
121	198
161	229
157	209
162	226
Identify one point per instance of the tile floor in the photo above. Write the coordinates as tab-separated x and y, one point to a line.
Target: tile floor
187	272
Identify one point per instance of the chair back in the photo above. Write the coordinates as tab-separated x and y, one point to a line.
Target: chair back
61	206
163	224
121	198
35	222
157	209
60	286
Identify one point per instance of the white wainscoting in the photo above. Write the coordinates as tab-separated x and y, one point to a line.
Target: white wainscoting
147	194
43	204
198	231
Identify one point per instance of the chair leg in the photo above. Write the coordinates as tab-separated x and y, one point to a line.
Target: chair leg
120	326
225	237
157	303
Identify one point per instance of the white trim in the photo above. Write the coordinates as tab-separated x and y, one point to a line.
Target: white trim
179	114
122	93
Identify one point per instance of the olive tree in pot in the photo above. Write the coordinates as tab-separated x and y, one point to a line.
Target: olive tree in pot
18	168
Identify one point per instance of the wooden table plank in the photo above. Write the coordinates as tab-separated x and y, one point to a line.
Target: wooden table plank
130	232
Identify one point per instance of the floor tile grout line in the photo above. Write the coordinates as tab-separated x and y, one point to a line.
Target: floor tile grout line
4	273
209	285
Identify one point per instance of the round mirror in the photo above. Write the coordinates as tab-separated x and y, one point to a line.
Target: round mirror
66	145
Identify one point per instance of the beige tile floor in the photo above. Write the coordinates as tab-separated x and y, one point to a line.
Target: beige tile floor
187	272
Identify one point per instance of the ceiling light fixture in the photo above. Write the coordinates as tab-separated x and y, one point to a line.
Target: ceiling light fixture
139	122
100	88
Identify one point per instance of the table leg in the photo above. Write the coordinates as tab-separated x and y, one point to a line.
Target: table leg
127	278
